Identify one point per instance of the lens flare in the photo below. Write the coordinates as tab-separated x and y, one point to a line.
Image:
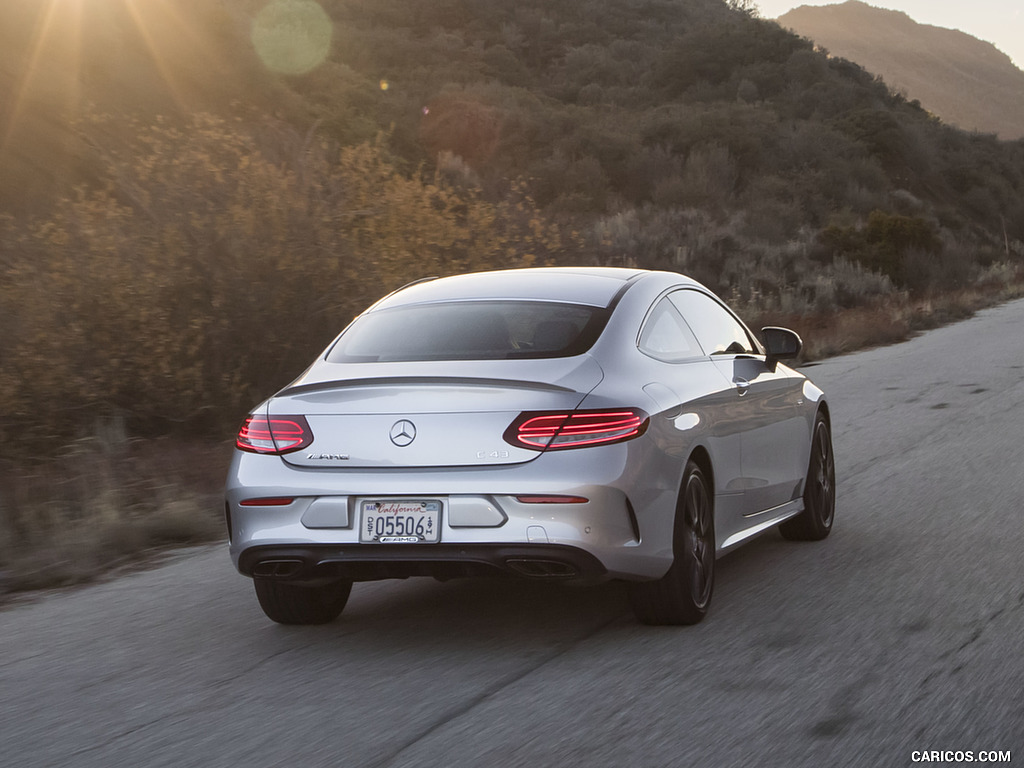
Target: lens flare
292	37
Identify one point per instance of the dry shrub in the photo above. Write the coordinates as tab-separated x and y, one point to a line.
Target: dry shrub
893	319
107	502
826	334
214	264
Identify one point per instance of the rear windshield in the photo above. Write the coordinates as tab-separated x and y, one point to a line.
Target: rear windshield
470	330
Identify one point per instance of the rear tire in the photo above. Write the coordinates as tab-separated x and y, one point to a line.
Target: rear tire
682	595
301	604
815	522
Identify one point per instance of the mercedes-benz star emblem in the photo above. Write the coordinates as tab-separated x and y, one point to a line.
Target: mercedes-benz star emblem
403	432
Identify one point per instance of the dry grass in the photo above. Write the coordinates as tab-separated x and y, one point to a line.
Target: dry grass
891	320
106	503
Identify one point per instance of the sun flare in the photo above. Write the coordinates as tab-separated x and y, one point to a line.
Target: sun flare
56	35
64	48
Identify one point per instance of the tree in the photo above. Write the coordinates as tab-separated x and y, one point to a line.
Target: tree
749	7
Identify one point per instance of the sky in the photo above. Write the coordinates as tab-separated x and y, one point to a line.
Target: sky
1000	22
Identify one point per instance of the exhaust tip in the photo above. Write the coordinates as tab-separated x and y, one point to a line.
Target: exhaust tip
542	569
282	568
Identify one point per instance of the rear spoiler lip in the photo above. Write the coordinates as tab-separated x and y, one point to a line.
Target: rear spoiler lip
404	381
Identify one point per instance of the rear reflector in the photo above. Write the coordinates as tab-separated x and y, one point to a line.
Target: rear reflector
539	499
556	430
281	501
276	434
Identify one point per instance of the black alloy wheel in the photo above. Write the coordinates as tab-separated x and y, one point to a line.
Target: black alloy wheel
683	594
700	539
815	522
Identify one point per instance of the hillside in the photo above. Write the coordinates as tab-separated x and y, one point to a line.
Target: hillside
184	185
600	106
965	81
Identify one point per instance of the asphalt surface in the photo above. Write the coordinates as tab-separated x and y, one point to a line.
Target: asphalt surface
902	632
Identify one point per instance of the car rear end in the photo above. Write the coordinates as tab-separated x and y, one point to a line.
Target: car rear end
473	448
471	476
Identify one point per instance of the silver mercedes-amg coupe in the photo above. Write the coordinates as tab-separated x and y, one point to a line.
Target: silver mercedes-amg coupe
574	424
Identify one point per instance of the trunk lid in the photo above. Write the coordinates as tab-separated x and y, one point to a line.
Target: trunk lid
427	414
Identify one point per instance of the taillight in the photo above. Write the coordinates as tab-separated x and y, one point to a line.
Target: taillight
556	430
276	434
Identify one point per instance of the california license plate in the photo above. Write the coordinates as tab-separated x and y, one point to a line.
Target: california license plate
400	521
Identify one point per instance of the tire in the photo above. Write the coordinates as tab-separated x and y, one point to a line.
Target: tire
300	604
815	522
683	594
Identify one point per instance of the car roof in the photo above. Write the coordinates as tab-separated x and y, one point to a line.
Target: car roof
594	286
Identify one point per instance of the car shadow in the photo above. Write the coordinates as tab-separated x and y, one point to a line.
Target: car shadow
483	611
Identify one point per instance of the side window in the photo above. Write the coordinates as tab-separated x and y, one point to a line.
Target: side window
714	326
666	337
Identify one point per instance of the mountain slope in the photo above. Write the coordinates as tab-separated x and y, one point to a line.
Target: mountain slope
595	108
965	81
153	253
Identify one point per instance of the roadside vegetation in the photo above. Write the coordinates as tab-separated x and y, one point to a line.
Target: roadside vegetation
107	502
160	307
197	257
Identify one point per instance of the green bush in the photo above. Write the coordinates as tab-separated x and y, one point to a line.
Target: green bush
906	249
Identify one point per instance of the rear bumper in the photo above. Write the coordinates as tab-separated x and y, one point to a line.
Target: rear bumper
356	562
624	530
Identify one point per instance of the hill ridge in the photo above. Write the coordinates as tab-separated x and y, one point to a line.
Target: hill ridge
965	81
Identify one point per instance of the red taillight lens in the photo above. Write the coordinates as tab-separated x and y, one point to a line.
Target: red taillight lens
557	430
276	434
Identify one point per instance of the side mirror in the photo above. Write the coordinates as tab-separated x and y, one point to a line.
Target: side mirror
780	344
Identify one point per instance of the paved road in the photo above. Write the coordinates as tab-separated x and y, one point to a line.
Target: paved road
901	632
